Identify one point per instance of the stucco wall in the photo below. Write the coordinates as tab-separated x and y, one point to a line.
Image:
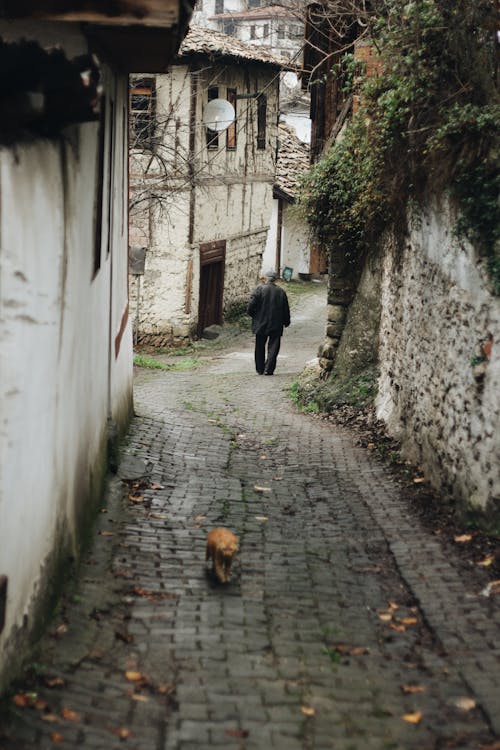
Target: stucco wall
438	320
295	249
229	199
65	355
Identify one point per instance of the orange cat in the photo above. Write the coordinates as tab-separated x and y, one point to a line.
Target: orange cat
222	546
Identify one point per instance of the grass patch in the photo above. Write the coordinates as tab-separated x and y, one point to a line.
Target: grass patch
188	363
307	406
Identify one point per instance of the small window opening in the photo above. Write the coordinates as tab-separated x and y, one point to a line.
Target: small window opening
261	121
142	113
212	135
231	131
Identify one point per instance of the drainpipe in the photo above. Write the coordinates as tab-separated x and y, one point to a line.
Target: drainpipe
279	232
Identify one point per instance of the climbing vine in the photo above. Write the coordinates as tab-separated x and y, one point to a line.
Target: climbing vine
429	121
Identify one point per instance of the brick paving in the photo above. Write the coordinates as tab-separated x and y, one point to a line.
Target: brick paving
343	615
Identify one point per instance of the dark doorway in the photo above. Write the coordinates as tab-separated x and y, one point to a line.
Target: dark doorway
212	260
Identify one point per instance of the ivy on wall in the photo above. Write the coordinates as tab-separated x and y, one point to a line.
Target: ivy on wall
429	121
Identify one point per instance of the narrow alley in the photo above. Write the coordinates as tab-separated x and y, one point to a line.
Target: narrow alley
346	625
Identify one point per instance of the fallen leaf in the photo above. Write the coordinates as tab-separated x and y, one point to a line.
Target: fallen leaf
488	560
414	718
70	715
465	704
418	480
41	705
136	498
263	458
157	516
50	718
278	479
345	648
139	697
493	587
200	518
308	710
370	446
393	606
107	533
261	518
122	733
463	538
411	689
240	733
156	486
165	688
153	596
408	620
385	616
487	347
56	737
61	629
21	700
133	676
397	628
258	488
53	682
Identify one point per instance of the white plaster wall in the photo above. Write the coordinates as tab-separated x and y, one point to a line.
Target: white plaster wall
58	382
295	246
436	312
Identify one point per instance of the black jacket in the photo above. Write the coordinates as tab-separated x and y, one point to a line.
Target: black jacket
269	310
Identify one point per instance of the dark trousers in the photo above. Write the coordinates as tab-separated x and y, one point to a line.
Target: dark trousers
266	365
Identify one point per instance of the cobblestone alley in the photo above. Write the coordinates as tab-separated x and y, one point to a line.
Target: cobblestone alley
345	627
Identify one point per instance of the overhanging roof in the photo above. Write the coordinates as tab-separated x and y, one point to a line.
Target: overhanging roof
137	36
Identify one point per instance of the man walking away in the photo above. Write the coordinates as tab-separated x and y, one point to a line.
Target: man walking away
270	312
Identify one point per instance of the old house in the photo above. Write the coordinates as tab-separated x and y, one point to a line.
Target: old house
277	28
65	327
200	209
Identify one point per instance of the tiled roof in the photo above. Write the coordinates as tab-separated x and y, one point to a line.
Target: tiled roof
218	46
293	160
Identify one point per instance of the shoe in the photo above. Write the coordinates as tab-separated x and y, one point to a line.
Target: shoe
269	373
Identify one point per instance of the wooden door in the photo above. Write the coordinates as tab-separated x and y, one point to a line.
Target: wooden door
212	264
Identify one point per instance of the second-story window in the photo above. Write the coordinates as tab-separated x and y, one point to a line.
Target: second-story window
281	31
212	135
261	121
231	131
219	6
142	113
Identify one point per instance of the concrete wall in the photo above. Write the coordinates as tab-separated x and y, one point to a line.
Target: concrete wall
229	199
65	341
438	320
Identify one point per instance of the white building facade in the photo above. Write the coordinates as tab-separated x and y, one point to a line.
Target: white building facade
65	328
203	220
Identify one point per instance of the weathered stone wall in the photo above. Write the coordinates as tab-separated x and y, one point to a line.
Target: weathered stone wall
243	262
439	389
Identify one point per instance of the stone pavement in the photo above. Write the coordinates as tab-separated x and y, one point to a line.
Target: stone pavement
345	627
